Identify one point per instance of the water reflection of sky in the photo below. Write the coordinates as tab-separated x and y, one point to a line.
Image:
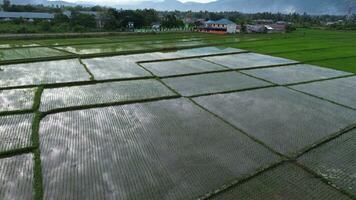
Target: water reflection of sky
17	99
152	150
16	177
15	132
42	72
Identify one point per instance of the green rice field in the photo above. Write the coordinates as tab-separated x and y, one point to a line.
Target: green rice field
332	49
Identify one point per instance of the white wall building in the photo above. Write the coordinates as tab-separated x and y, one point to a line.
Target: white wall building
222	25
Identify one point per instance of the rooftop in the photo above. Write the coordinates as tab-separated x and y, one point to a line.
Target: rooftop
26	15
220	21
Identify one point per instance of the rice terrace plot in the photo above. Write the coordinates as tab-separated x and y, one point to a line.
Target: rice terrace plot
178	116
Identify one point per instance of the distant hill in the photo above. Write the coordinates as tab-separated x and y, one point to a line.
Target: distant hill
339	7
42	2
252	6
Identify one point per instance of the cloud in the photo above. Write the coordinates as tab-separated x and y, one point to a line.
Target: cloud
199	1
113	2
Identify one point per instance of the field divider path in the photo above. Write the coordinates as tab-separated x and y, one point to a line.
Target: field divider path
292	84
196	73
151	50
284	157
16	152
236	182
61	50
315	96
92	78
319	80
38	182
231	91
113	41
325	181
324	140
107	54
75	83
16	112
39	42
191	57
330	58
291	43
306	49
33	60
305	82
330	138
252	68
159	80
293	160
309	61
102	105
36	45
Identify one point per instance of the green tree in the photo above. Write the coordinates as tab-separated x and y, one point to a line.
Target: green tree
62	28
79	28
215	16
171	21
45	26
243	27
87	21
60	18
290	28
110	19
6	5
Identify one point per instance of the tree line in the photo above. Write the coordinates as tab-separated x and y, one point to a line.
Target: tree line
117	20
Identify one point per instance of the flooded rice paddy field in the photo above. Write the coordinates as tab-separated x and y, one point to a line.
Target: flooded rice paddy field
203	122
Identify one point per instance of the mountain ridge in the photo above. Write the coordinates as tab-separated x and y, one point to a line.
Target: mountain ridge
340	7
335	7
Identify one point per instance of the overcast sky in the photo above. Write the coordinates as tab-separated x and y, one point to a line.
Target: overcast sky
130	1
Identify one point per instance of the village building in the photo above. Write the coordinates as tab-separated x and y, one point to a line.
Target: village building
331	23
29	16
267	26
156	25
221	26
256	28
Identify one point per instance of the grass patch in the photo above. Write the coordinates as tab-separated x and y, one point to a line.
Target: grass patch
35	138
38	185
306	55
345	64
29	53
332	49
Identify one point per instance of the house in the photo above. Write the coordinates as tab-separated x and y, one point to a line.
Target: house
267	26
256	29
29	16
156	25
238	28
219	26
331	23
269	29
278	28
